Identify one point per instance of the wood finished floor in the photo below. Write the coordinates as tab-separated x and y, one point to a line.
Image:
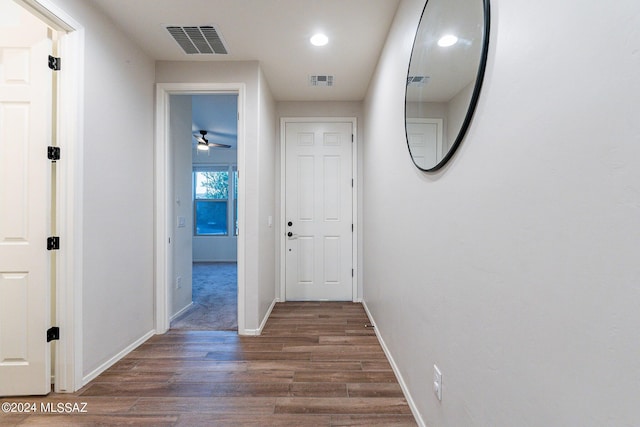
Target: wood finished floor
316	364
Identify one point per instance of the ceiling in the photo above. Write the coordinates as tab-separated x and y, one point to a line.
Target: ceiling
218	115
274	32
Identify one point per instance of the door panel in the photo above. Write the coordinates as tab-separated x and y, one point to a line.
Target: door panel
25	100
425	141
318	189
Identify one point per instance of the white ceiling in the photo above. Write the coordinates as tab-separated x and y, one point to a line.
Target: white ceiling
218	115
274	32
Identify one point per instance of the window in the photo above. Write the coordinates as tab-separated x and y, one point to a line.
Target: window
214	200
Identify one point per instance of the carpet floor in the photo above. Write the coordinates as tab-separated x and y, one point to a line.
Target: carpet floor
215	298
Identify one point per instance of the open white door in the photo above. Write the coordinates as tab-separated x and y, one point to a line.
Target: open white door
319	211
25	203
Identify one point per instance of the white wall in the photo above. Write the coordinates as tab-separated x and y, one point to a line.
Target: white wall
181	147
515	268
117	201
267	198
318	109
258	147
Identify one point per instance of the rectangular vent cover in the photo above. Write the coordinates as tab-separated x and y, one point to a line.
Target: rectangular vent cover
417	80
321	80
198	40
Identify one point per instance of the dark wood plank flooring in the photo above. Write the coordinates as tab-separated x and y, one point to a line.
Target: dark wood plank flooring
316	364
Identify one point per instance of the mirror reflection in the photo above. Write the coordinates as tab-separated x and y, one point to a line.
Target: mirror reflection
444	78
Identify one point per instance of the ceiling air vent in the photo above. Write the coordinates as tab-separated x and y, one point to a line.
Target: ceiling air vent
321	80
417	80
198	40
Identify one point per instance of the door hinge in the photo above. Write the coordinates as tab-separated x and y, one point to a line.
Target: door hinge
53	153
54	63
53	333
352	272
352	227
53	243
351	137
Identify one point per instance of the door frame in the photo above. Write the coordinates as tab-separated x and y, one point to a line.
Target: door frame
67	367
164	204
355	297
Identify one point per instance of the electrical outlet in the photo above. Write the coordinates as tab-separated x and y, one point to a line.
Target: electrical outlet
437	382
178	282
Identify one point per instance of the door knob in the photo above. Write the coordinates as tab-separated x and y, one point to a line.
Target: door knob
289	234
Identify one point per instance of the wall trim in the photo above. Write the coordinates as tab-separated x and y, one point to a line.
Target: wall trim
396	370
256	332
112	361
181	312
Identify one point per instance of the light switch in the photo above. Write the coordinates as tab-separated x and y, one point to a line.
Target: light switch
182	222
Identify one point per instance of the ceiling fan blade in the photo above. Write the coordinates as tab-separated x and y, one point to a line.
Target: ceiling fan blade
222	133
200	138
215	144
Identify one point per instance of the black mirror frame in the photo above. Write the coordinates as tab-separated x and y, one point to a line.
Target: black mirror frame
474	97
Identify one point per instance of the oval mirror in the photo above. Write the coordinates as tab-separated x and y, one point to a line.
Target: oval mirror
445	75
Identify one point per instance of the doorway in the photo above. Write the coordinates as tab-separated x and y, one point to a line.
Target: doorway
203	137
177	212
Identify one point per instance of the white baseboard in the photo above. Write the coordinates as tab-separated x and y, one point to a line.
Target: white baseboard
394	366
109	363
179	313
256	332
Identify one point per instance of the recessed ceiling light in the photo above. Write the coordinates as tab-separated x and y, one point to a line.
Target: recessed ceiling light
448	40
319	39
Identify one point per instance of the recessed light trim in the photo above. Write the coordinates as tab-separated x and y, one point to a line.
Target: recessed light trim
447	40
319	39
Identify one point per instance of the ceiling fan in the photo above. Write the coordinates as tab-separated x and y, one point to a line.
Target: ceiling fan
203	142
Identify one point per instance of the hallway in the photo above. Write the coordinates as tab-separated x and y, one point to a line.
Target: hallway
316	364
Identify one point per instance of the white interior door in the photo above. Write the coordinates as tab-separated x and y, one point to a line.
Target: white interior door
318	211
25	203
425	141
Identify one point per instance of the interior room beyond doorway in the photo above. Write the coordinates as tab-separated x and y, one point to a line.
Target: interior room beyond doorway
204	141
215	298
